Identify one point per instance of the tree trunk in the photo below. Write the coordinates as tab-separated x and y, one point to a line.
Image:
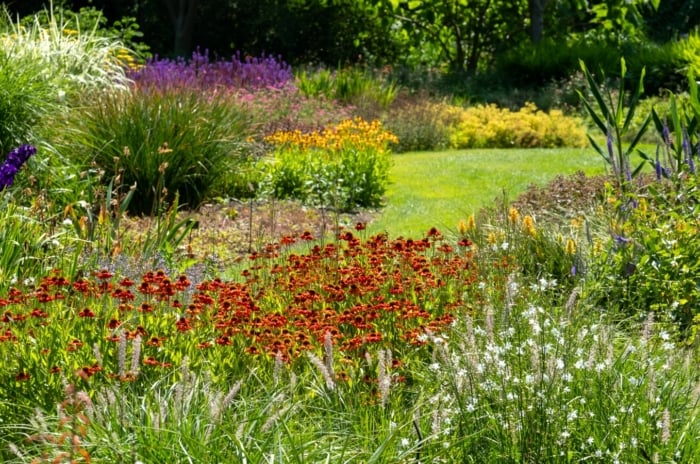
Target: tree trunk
537	8
181	14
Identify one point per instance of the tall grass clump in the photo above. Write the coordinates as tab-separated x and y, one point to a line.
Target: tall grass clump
42	68
166	144
70	59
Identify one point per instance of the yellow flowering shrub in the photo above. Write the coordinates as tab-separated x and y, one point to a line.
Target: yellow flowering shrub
488	126
342	167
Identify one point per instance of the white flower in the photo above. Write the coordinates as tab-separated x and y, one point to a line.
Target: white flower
504	245
405	442
67	222
434	367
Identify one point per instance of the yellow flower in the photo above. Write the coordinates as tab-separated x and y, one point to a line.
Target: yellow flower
514	215
570	247
464	227
597	247
492	239
529	225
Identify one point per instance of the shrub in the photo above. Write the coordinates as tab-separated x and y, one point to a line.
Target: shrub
343	168
421	124
487	126
164	143
687	51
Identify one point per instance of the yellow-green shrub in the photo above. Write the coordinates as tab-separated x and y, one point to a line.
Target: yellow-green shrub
687	50
487	126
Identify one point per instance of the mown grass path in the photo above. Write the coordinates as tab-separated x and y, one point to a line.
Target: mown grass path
437	189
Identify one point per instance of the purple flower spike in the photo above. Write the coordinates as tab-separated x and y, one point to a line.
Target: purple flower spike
14	161
199	72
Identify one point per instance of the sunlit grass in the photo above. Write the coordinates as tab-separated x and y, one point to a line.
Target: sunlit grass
437	189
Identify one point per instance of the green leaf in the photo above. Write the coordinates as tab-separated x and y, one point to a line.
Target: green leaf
595	90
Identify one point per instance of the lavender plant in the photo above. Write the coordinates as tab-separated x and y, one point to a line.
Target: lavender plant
200	72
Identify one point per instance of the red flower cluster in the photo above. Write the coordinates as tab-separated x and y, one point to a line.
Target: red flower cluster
365	295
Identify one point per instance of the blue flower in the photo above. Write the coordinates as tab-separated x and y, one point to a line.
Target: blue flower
14	161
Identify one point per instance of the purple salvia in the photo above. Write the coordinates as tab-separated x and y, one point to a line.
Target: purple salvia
667	134
688	151
657	166
611	153
12	164
628	171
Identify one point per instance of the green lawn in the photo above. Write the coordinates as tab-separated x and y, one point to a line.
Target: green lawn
440	188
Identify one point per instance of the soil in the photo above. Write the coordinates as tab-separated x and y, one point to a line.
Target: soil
229	231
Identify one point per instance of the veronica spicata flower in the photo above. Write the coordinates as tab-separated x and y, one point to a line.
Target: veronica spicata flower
14	161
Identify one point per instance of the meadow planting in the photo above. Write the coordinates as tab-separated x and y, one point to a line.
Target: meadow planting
521	334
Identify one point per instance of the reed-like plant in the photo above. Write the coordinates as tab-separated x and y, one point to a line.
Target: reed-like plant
612	114
165	143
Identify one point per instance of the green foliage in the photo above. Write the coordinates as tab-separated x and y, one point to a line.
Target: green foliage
165	144
24	100
43	68
360	88
435	32
687	52
492	127
342	180
651	260
421	124
26	247
612	116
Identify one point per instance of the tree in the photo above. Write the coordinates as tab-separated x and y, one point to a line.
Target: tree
182	18
537	9
462	33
